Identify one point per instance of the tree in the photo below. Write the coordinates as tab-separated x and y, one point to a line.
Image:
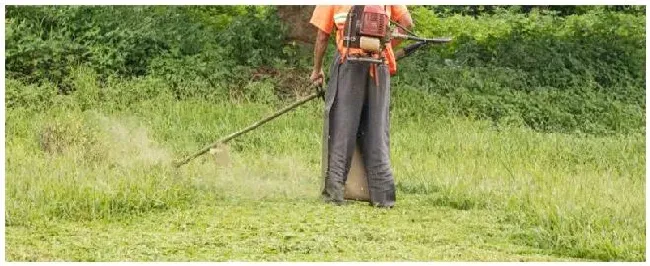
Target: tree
296	18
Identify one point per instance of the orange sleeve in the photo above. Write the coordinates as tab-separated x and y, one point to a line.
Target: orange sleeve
323	18
396	12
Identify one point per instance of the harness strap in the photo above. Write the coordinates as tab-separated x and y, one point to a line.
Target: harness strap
345	51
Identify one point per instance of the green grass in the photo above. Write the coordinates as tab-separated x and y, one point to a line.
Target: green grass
279	230
467	191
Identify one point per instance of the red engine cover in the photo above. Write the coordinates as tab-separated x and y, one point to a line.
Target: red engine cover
374	21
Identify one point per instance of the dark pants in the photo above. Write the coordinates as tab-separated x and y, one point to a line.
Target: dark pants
357	112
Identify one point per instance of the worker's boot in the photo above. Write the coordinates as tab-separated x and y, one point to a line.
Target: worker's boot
333	192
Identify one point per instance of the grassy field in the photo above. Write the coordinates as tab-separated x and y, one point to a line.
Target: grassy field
97	185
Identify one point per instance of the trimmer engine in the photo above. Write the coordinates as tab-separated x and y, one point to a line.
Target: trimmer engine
366	28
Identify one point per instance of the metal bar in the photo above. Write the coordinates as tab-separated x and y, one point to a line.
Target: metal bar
415	38
247	129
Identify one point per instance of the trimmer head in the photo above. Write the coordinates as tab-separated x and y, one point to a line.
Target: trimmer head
221	155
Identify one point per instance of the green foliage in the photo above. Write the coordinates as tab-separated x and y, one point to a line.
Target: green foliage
187	73
554	69
46	43
32	96
259	92
580	73
256	38
86	92
205	75
120	94
563	10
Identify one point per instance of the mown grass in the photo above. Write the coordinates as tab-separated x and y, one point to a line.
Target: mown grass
280	230
100	166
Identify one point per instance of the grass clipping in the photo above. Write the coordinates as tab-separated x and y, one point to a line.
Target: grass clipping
130	144
99	139
95	166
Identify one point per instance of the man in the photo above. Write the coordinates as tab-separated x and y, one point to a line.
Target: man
356	105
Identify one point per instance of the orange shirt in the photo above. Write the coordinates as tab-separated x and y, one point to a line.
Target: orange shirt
326	18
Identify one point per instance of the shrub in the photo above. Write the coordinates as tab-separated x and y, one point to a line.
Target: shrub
575	69
579	73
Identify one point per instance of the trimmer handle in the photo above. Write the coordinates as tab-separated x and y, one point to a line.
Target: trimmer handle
420	39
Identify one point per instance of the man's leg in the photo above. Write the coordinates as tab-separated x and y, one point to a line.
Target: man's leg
375	140
344	123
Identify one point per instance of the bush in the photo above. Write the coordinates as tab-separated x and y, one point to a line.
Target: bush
255	39
43	43
580	73
574	69
29	96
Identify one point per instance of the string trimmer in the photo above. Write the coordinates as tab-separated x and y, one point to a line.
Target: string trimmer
227	138
408	50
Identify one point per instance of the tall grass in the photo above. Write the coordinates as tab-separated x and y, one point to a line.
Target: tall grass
96	142
575	195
